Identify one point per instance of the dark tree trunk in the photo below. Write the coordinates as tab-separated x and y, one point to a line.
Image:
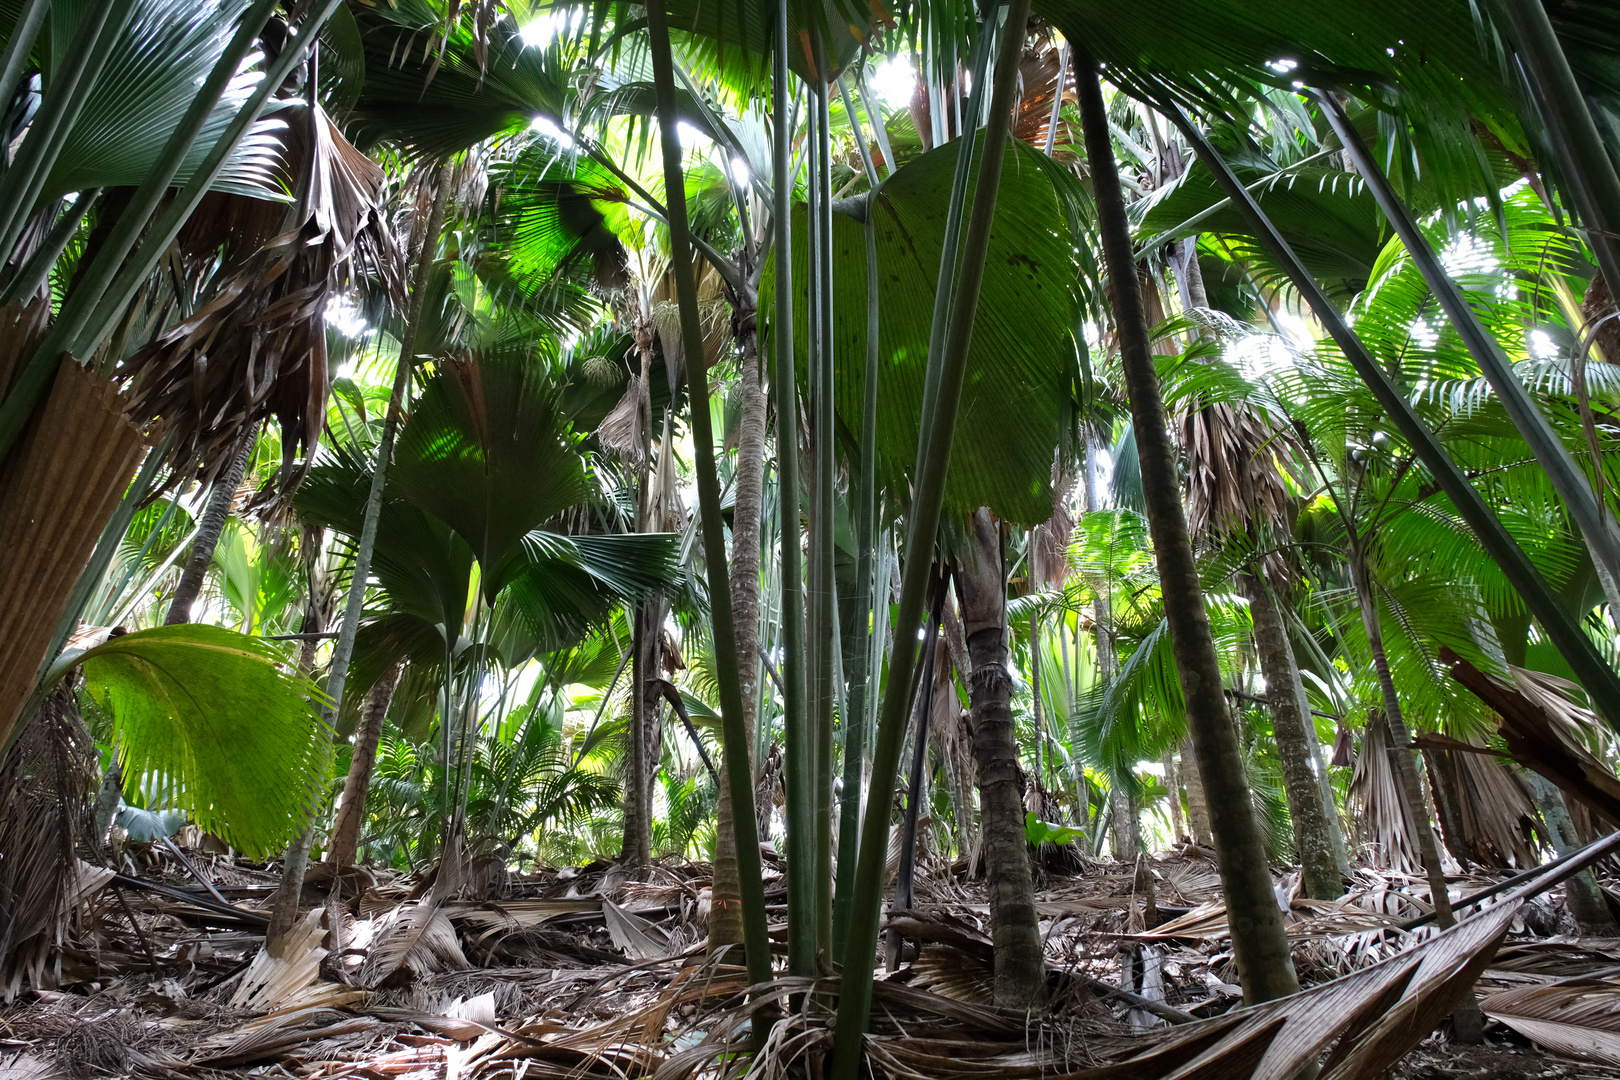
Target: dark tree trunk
1313	823
209	527
1018	958
352	808
1258	940
725	918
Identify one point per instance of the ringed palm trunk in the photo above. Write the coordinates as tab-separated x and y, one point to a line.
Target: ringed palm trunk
1018	979
1314	822
209	528
352	808
1261	947
725	919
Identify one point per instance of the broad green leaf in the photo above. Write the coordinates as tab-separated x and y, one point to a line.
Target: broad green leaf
1019	403
1037	831
212	723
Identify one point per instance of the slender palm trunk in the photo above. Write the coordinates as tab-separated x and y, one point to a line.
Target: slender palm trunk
1468	1022
1581	892
725	919
1172	783
1197	804
636	853
352	808
1013	926
1314	823
209	528
1258	940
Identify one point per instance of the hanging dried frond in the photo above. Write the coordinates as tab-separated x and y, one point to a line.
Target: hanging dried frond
1381	818
256	346
1579	1018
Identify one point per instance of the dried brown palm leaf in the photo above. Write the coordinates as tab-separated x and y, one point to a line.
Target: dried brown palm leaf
1579	1018
256	346
1543	730
1381	819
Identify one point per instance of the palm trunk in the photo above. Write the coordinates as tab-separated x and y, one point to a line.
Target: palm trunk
1468	1022
1172	782
1313	825
1197	804
1582	893
1258	940
352	807
734	737
1013	926
725	919
209	528
636	853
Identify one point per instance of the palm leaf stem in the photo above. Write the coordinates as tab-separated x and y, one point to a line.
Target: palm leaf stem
1589	173
946	371
855	722
1550	451
733	731
74	78
1601	683
824	618
366	543
784	388
922	715
37	269
20	45
104	293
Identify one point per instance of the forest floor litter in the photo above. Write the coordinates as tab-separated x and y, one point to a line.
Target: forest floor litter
577	973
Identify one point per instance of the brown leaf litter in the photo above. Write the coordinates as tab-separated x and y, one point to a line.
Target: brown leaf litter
559	977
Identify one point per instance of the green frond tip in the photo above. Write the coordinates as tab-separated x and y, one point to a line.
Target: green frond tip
218	726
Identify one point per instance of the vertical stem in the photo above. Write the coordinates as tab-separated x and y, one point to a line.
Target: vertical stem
826	622
796	724
1258	940
946	369
866	537
734	735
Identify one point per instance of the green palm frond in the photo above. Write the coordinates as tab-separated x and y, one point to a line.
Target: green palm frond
213	723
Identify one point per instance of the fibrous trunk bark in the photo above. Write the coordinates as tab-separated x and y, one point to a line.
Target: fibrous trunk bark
209	528
352	807
1258	941
1018	958
725	918
1313	822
